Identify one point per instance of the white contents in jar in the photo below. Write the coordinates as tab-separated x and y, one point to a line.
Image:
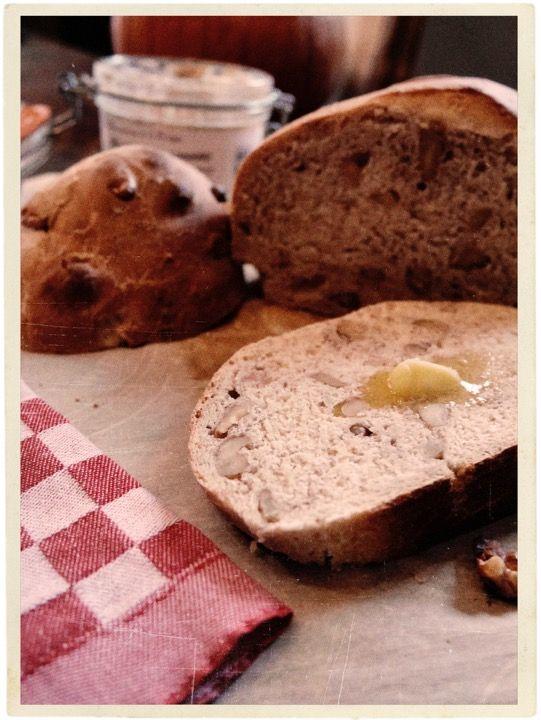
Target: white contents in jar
210	114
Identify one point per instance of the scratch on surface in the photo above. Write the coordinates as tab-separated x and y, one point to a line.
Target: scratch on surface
332	655
346	660
193	673
152	399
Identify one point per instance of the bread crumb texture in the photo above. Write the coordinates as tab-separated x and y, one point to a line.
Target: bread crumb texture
372	481
408	195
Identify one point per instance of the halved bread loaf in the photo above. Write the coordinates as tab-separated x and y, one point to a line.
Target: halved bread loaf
406	193
297	441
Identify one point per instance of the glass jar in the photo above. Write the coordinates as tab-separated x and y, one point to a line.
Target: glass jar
208	113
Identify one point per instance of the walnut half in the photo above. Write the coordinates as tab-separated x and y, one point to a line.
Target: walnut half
498	569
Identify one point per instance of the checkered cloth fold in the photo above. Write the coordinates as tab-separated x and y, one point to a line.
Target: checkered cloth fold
121	603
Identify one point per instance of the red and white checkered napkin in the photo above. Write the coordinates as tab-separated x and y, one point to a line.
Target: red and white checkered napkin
120	602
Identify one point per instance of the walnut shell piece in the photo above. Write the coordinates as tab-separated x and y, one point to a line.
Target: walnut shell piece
498	569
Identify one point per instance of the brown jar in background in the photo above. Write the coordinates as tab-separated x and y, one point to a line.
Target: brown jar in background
318	59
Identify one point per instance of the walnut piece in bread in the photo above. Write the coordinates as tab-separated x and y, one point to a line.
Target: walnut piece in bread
129	246
348	471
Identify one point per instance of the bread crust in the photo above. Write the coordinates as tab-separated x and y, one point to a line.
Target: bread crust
129	246
475	494
486	491
413	521
410	523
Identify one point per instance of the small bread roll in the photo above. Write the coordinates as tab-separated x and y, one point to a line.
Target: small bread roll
128	246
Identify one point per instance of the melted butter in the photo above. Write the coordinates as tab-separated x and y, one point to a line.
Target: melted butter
472	368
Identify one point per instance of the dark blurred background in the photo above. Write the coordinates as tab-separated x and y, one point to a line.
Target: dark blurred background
317	59
482	46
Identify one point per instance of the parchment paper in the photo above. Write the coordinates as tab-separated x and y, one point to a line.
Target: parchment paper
415	631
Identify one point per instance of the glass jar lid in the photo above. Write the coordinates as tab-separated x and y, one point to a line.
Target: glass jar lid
183	81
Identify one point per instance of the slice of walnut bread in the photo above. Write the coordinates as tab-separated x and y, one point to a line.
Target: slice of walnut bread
406	193
300	439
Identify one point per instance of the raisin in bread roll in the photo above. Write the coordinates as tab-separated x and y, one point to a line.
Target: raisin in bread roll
405	193
299	439
128	246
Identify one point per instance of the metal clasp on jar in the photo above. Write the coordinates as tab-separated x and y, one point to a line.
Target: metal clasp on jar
74	89
282	106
